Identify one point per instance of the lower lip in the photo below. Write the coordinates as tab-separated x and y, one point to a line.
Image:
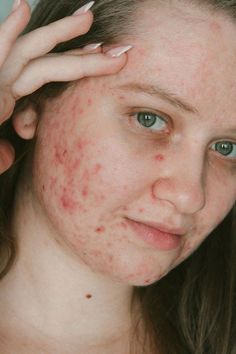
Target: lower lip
155	238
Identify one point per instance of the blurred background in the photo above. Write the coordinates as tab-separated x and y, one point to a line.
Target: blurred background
5	7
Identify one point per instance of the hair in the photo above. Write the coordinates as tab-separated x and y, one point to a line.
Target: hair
190	310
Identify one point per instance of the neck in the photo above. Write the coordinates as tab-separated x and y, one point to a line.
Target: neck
51	292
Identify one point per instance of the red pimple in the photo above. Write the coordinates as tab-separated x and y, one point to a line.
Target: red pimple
100	229
159	157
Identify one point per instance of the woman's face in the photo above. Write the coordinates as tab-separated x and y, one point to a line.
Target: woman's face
154	145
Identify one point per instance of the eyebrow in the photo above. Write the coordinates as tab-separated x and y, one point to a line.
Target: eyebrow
164	94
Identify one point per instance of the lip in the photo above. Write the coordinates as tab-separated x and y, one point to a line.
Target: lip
157	235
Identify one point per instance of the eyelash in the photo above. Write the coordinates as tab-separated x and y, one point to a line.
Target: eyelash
148	130
166	120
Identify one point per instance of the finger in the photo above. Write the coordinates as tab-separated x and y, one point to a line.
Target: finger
25	123
7	104
11	28
41	41
7	155
89	49
66	68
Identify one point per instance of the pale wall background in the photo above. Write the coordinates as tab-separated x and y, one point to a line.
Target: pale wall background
5	6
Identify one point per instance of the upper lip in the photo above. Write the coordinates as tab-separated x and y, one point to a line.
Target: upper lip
164	228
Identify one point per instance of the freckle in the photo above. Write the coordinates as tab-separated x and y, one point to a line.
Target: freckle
109	244
159	157
125	208
100	229
43	187
88	296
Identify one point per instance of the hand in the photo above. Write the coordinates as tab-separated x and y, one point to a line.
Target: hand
25	66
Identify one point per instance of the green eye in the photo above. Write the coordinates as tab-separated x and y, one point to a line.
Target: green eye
149	120
225	148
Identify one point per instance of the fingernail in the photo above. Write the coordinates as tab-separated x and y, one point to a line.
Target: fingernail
84	8
15	5
116	52
93	46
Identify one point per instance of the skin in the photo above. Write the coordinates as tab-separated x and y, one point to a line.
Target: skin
92	167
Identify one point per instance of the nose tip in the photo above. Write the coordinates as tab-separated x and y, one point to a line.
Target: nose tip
186	198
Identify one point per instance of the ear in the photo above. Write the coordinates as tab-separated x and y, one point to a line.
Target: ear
25	123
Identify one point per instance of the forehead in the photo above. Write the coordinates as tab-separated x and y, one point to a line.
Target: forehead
188	50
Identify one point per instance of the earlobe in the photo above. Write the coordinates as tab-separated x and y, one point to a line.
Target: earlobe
25	123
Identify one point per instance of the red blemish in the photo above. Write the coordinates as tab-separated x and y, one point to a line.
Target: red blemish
76	164
141	210
147	281
142	52
81	144
88	296
100	229
153	193
90	102
81	111
64	153
121	97
85	191
97	168
110	259
67	202
125	208
159	157
124	225
97	253
53	181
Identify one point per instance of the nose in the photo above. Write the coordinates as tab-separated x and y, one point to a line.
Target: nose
183	186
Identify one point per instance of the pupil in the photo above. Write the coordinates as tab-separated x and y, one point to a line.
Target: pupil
224	148
146	119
